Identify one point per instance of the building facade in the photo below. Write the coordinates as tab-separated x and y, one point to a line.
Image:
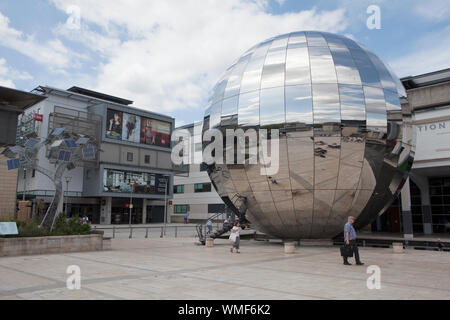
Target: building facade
424	205
193	192
12	104
132	173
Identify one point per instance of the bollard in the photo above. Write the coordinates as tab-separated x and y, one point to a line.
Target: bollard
114	232
162	232
176	231
289	247
397	247
146	233
131	233
209	242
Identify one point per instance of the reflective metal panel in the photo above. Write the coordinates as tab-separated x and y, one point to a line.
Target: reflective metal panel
345	142
299	106
248	110
322	66
271	110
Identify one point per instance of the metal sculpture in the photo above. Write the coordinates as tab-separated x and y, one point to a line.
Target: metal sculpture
64	149
346	143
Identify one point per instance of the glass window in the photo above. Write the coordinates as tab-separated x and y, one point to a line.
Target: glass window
298	105
297	66
202	187
272	107
353	105
125	181
346	69
129	156
375	102
249	109
147	159
180	208
322	66
326	104
178	188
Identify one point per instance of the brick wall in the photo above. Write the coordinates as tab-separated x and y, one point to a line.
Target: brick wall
8	182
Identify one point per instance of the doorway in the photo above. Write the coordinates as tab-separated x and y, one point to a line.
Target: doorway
155	214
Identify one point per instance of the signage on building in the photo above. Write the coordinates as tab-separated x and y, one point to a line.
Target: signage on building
38	117
433	137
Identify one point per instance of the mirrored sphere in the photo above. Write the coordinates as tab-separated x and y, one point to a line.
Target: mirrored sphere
346	143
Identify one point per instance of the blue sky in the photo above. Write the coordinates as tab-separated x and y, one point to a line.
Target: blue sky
167	55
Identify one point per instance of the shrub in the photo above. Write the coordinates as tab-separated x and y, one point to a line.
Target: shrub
62	226
69	226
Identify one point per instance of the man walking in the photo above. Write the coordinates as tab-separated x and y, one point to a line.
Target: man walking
350	239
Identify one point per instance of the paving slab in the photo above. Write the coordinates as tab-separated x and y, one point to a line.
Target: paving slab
177	268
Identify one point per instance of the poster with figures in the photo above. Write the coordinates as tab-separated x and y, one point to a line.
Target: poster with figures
131	127
114	124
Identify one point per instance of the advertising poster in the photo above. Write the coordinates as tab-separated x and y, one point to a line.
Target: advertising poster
131	127
154	132
114	124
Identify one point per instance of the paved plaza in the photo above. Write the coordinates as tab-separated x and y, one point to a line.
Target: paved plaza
176	268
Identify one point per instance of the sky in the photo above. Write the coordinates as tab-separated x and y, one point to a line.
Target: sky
167	55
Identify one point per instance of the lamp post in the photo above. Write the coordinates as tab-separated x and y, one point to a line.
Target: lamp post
165	203
24	183
68	178
131	201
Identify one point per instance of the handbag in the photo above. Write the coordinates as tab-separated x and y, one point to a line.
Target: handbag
346	251
232	237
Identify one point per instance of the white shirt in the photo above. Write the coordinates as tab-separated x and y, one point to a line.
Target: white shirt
236	230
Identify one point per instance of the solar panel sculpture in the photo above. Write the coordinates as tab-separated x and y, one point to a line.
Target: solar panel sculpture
64	149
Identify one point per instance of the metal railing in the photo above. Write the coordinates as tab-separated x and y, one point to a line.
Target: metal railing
148	231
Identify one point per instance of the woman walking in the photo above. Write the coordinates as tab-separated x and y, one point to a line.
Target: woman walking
234	237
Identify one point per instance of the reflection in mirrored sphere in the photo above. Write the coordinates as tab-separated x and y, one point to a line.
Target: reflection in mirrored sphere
346	144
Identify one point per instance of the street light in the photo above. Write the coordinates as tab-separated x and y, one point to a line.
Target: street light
68	178
131	201
165	203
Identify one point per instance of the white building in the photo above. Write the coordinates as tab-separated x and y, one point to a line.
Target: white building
194	192
133	157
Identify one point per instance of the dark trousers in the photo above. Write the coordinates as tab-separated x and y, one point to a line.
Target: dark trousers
354	246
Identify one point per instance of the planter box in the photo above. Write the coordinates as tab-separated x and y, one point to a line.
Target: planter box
44	245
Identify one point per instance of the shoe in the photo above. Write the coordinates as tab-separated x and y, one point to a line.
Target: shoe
347	263
231	250
360	263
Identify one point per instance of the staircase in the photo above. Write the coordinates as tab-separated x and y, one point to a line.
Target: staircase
226	226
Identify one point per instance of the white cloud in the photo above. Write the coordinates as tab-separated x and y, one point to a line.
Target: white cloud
167	55
430	53
8	75
52	53
432	10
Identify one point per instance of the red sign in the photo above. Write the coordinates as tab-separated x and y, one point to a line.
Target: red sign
170	202
127	205
38	117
